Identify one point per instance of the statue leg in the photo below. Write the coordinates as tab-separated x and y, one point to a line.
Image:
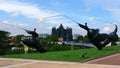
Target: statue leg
38	46
98	45
105	42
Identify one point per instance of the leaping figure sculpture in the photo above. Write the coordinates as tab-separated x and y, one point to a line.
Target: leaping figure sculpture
100	40
33	42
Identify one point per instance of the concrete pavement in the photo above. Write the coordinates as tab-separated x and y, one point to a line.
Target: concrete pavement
28	63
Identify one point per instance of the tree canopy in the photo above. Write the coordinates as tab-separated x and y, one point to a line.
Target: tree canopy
4	36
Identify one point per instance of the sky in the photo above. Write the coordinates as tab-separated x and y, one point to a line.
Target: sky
16	15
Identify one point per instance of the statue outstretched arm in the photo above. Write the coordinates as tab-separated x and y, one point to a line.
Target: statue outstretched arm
83	26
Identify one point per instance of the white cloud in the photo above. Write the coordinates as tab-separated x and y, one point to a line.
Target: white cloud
106	29
12	28
14	14
26	9
29	10
109	27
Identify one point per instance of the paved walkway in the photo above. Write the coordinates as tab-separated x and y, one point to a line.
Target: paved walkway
26	63
109	60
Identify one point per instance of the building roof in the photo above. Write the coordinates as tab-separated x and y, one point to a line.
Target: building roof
61	26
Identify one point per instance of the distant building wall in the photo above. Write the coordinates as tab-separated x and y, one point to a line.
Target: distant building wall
60	32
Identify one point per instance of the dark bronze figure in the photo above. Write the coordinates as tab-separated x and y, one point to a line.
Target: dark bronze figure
33	42
100	40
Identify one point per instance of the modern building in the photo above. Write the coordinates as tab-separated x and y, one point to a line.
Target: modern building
43	35
63	34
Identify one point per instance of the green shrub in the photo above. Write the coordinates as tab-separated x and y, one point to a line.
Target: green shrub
20	50
2	52
58	47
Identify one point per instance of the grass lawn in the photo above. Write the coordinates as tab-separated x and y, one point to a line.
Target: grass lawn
71	55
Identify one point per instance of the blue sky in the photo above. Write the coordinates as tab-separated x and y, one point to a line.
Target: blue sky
100	14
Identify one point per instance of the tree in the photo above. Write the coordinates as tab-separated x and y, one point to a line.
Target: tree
4	36
53	38
80	38
119	39
85	39
18	38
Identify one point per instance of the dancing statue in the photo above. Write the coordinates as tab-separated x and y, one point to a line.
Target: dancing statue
97	39
33	42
